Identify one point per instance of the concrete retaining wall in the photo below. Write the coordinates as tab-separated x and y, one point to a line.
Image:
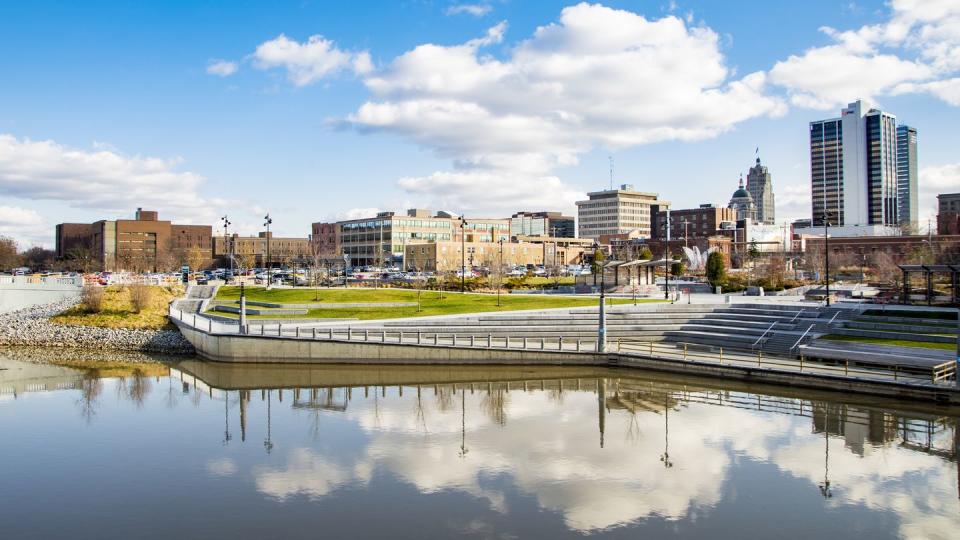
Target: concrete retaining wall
21	292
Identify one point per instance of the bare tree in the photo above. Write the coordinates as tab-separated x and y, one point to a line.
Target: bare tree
195	258
8	253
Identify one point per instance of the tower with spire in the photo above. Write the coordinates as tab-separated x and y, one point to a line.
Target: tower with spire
760	187
742	202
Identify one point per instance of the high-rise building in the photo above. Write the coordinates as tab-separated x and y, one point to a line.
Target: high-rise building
617	211
853	168
907	176
542	224
760	187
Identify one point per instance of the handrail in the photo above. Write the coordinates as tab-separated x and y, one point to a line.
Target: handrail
774	323
802	336
797	315
832	318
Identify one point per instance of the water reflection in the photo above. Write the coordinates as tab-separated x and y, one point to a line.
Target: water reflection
601	450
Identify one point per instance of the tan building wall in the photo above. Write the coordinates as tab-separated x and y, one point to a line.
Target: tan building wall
447	256
250	251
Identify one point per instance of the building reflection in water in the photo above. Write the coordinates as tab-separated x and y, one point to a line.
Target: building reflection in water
657	446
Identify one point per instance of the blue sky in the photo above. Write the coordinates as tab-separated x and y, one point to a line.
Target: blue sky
198	109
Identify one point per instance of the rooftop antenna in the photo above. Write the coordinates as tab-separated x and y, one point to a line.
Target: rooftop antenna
611	172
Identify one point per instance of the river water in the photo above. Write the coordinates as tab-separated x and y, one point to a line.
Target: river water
198	450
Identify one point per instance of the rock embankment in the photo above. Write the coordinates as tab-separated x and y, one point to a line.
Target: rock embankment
32	327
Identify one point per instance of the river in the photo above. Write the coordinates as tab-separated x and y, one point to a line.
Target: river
189	449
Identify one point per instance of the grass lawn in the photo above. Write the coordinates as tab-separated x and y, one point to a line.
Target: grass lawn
893	342
116	311
431	304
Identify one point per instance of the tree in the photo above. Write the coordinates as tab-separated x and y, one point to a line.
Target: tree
196	258
596	266
496	274
8	253
80	258
645	254
716	269
38	258
677	269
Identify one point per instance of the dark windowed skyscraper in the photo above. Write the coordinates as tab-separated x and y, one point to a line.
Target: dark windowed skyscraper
907	175
853	168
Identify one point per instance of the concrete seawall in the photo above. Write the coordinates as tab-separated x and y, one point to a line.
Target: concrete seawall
284	349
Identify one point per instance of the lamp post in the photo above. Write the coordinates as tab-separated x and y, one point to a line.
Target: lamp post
500	272
602	315
463	254
267	221
826	253
666	261
226	239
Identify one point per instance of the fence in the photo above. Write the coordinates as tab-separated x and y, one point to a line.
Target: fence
42	280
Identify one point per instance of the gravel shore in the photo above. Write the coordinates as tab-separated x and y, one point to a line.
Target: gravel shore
32	327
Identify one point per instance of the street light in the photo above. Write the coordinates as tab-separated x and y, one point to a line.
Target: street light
500	272
602	315
826	252
463	254
267	221
666	261
226	224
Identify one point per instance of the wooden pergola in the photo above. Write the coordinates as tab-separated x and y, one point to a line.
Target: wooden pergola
928	270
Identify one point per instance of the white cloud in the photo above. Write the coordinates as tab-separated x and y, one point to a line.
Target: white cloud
101	180
916	50
222	467
221	68
934	180
25	225
310	61
598	77
477	10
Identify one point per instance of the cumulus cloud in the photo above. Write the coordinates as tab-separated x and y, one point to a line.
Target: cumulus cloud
916	50
477	10
310	61
598	77
104	181
934	180
24	224
221	68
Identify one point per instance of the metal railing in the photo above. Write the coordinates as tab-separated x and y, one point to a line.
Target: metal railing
797	344
727	356
759	339
795	317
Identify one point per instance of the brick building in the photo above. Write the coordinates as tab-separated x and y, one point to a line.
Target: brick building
948	213
143	244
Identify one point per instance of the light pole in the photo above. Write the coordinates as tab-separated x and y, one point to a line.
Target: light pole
500	271
463	254
226	240
826	252
602	316
666	261
267	221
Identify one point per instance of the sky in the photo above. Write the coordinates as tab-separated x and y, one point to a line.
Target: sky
317	111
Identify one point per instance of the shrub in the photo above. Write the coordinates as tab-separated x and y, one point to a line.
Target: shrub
140	296
91	298
716	269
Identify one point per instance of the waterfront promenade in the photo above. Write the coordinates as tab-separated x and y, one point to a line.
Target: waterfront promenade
568	337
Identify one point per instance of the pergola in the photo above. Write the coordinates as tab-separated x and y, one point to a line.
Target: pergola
928	270
633	272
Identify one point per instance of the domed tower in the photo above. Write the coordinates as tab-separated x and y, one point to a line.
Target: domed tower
742	203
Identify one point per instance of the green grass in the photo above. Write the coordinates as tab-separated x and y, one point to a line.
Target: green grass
431	304
893	342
